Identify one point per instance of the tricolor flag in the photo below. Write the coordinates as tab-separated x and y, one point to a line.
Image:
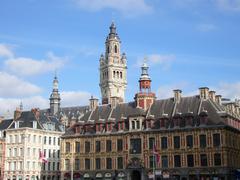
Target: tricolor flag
157	156
42	157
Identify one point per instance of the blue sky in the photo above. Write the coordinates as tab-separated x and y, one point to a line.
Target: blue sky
188	43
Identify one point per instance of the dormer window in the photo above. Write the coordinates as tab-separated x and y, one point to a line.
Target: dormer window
35	124
136	124
16	124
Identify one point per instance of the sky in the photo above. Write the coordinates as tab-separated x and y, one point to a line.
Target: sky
188	44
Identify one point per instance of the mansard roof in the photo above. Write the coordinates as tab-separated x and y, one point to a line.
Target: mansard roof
192	106
26	119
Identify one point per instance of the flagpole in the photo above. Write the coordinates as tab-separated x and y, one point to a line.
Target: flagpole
72	167
153	161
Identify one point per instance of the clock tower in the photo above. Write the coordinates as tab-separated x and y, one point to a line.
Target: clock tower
113	69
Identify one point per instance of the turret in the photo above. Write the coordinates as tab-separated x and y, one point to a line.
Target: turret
144	98
55	98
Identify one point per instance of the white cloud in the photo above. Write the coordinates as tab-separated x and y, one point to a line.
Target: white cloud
127	7
12	86
28	66
206	27
166	91
74	98
8	105
228	5
5	51
164	61
229	90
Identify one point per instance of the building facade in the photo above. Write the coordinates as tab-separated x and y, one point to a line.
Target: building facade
195	137
29	134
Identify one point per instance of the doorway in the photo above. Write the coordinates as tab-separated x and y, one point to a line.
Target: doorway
136	175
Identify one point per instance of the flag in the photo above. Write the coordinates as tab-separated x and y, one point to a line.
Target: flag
42	157
157	156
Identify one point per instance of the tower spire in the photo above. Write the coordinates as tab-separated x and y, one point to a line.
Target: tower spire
55	97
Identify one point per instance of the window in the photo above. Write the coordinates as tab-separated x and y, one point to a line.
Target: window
217	159
53	166
98	163
67	147
9	152
189	141
115	49
15	152
53	154
49	140
87	164
109	163
203	141
33	165
16	138
49	153
177	161
190	160
77	147
34	152
54	141
164	161
138	124
77	164
203	158
58	153
164	143
152	162
67	164
176	142
34	138
98	146
151	142
58	166
39	139
119	145
216	140
135	146
21	152
109	145
34	124
133	124
87	146
49	166
58	141
45	140
28	152
120	162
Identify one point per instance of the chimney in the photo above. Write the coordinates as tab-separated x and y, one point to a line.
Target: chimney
93	103
36	112
114	101
1	119
17	114
212	95
219	99
204	92
177	95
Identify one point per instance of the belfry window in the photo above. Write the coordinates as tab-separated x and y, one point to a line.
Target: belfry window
108	49
117	74
115	49
114	74
121	75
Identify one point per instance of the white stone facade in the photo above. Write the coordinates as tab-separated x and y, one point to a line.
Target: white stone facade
23	146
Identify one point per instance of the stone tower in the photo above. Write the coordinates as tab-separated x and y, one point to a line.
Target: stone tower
113	69
55	98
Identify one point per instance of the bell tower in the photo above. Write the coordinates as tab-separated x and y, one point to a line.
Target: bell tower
113	69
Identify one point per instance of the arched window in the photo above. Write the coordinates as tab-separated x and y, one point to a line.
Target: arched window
117	74
108	49
121	75
114	74
115	49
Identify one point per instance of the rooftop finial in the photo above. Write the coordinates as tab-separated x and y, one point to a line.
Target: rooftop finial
21	106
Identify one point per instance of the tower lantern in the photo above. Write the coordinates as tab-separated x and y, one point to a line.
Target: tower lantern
55	98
